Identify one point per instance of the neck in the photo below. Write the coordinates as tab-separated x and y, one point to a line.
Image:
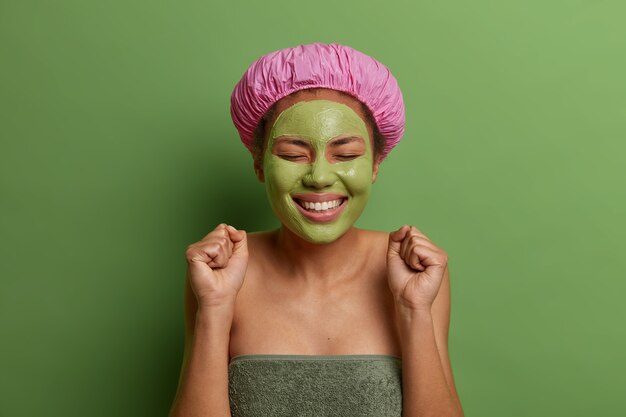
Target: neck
314	263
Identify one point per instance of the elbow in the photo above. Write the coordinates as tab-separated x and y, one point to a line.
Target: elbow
459	411
456	411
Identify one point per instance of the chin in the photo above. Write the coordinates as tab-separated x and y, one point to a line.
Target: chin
320	241
320	237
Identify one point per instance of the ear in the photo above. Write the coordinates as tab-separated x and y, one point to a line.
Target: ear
258	170
375	170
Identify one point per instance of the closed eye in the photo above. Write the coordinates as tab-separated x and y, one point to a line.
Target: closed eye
291	157
347	157
347	149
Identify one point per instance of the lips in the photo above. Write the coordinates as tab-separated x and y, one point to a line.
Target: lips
320	207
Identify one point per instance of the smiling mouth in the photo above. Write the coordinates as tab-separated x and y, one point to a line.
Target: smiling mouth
321	206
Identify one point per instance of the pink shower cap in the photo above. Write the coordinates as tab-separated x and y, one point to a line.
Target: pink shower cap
317	65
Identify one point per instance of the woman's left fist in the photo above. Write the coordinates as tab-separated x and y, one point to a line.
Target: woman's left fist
415	268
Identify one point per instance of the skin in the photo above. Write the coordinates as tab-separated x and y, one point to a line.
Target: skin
318	146
274	292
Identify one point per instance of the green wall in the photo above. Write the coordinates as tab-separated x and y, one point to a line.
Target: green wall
116	134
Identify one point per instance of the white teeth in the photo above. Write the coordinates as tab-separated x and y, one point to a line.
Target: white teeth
323	206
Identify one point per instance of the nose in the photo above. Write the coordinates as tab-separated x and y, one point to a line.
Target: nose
321	174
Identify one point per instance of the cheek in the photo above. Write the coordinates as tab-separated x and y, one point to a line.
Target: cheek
357	175
282	177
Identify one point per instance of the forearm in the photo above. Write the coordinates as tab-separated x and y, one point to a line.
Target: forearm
425	391
203	388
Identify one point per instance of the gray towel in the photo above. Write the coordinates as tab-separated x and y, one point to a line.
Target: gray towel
315	385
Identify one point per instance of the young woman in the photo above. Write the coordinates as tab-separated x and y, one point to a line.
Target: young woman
317	318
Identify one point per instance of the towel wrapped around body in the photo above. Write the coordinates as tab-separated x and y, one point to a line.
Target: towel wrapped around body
315	385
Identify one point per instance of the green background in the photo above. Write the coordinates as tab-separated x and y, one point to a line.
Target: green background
117	151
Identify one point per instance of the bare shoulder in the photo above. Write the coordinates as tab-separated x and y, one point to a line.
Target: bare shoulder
258	244
373	253
375	234
258	237
377	241
259	258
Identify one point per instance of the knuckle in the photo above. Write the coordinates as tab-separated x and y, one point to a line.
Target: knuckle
219	228
210	248
215	245
216	234
191	253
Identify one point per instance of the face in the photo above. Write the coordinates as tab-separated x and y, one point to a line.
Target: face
318	168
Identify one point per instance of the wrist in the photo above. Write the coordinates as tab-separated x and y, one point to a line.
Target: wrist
414	312
210	302
403	305
214	314
413	322
212	330
222	308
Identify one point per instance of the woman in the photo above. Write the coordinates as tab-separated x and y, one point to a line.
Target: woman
317	317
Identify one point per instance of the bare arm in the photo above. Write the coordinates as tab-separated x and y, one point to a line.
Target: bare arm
216	270
428	384
203	383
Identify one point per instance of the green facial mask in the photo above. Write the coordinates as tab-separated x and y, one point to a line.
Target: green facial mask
318	122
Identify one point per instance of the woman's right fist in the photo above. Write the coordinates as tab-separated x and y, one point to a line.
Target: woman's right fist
217	265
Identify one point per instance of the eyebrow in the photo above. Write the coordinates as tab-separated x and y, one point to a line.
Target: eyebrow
343	141
293	141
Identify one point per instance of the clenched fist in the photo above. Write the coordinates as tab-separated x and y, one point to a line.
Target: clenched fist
415	268
217	265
